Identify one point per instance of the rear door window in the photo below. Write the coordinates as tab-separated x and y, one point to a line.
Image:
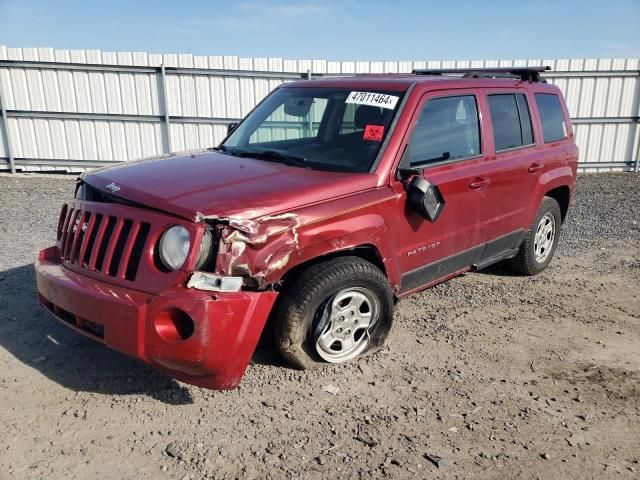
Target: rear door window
447	129
511	121
554	126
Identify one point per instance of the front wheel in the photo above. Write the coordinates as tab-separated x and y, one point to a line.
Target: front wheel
334	312
540	242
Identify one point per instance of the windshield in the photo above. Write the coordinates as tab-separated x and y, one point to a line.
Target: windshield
320	128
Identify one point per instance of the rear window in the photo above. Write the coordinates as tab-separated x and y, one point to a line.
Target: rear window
447	129
553	124
511	121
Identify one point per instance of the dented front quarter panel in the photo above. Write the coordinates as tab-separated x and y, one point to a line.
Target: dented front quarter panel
264	249
257	248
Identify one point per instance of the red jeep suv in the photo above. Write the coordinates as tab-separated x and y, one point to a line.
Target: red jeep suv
330	201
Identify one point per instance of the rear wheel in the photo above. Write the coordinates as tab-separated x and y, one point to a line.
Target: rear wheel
540	242
334	312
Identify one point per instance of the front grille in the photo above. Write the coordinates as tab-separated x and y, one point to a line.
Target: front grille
104	243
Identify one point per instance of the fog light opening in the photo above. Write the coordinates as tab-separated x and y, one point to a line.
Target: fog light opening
174	325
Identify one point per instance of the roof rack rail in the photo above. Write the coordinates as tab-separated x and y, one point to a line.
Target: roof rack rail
527	74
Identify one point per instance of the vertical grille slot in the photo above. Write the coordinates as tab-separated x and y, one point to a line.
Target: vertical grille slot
120	242
78	240
92	249
68	233
96	242
111	248
63	232
85	248
128	247
137	250
73	235
103	245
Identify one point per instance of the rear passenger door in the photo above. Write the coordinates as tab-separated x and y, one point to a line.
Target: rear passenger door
515	166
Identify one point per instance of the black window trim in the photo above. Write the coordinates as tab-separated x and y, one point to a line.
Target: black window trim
533	130
403	161
533	133
564	118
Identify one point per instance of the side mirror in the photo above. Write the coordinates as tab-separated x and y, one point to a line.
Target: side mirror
425	198
231	127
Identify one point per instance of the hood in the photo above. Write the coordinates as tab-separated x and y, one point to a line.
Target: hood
215	184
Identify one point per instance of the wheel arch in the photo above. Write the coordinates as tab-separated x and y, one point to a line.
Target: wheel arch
559	184
562	195
368	252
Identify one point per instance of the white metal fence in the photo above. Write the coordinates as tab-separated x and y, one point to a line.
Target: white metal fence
70	110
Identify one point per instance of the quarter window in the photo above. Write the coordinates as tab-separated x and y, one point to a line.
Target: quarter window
511	121
448	128
553	123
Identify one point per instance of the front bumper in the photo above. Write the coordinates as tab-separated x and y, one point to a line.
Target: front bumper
197	337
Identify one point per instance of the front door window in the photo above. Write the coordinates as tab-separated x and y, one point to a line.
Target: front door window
448	129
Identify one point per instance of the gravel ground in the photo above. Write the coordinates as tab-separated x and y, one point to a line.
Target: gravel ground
499	375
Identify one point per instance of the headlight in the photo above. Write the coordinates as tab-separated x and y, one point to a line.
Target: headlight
205	250
174	247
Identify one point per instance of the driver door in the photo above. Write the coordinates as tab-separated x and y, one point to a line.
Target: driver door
445	145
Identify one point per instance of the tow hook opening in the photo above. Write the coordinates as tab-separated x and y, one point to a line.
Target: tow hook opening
174	325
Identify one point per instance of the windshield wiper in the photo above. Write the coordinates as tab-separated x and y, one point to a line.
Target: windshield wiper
274	155
269	155
224	149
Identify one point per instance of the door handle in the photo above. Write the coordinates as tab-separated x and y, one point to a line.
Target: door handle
479	182
535	167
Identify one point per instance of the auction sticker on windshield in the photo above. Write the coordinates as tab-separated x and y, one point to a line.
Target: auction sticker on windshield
373	99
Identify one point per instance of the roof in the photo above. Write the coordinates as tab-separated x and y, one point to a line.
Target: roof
401	82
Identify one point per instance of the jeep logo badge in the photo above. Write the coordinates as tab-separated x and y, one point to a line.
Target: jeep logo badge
113	187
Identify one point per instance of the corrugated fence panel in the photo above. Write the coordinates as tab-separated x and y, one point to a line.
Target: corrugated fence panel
603	100
92	108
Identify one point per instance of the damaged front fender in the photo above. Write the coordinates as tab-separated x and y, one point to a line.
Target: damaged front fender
258	248
262	249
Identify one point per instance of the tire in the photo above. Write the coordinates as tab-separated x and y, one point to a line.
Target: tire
528	261
324	298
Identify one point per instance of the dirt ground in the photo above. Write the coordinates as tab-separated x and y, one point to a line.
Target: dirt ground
501	376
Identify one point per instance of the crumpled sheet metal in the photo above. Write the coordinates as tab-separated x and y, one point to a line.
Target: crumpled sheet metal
258	248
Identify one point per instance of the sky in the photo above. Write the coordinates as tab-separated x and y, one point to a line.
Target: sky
330	29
